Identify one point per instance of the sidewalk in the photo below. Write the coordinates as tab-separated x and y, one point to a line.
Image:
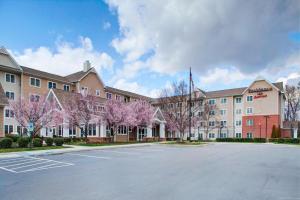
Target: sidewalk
73	148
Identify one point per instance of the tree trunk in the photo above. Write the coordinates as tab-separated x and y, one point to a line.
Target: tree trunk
85	133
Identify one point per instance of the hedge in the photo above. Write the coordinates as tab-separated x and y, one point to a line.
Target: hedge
255	140
13	137
6	143
37	142
58	141
23	142
49	141
285	140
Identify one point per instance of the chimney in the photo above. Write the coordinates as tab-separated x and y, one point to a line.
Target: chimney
86	65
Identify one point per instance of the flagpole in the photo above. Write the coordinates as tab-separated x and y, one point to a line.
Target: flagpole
190	106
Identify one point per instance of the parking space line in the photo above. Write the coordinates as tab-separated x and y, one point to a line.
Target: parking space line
12	161
16	164
8	170
36	163
54	165
89	156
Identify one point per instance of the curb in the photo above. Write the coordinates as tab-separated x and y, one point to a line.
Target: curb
72	148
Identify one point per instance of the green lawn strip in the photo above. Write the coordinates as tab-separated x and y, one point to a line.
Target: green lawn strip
31	149
195	143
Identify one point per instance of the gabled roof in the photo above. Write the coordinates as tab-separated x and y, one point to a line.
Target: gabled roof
75	77
225	93
42	74
277	86
63	96
3	99
126	93
7	61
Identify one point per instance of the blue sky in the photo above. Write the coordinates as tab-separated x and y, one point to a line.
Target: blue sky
143	46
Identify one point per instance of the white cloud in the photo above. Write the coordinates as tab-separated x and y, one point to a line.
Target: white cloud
293	78
106	25
223	75
205	34
65	59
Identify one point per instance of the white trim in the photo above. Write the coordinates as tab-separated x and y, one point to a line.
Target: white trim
51	91
155	118
11	58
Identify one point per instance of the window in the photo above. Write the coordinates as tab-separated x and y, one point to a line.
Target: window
51	85
108	131
211	101
200	114
10	78
211	135
19	130
118	97
211	112
223	123
8	129
72	131
249	98
99	108
10	95
34	98
66	88
249	110
122	130
250	122
223	100
35	82
60	130
238	100
92	130
238	135
9	113
211	123
84	90
249	135
97	92
179	104
238	111
223	112
238	123
223	135
108	95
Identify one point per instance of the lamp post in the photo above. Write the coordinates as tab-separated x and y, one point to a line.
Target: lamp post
259	130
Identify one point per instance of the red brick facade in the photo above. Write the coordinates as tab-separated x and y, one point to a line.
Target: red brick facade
258	129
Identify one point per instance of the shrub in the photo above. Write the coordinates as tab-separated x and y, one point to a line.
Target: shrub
260	140
67	140
49	141
58	141
6	143
13	137
23	142
37	142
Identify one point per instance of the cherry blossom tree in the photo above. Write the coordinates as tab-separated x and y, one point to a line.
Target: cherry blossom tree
39	112
140	113
82	110
117	113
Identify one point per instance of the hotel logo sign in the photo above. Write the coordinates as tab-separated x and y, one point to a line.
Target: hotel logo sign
260	92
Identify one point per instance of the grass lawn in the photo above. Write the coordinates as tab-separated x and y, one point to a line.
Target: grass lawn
30	149
183	143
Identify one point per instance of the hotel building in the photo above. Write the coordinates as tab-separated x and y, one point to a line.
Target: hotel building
241	112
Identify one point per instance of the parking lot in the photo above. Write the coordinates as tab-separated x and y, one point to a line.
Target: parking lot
213	171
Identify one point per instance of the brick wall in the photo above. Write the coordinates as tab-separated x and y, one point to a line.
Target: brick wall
259	125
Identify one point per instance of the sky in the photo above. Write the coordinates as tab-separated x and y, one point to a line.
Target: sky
144	45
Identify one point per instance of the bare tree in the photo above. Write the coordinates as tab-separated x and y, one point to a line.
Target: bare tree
174	102
293	102
209	119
